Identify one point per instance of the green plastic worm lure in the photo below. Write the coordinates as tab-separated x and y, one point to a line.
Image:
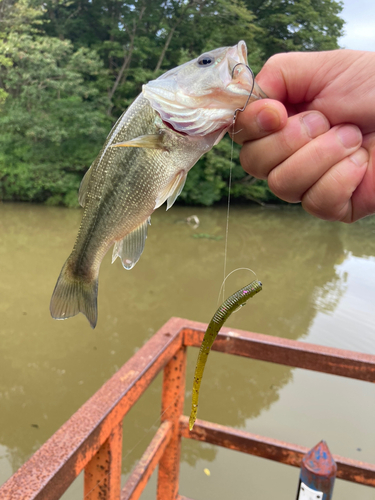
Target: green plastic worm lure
232	303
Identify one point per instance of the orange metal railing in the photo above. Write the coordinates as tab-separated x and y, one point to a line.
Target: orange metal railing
91	440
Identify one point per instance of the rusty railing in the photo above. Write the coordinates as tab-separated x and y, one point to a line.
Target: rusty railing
91	440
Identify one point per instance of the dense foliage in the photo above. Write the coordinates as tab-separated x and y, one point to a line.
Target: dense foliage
68	68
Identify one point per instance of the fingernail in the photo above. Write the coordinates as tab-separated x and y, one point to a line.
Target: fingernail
315	123
360	157
268	119
349	135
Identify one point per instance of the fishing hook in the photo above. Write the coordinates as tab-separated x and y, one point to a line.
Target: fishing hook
251	92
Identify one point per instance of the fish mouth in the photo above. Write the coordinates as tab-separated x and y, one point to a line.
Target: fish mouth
242	81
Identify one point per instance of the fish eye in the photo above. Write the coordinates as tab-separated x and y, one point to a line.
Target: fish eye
206	60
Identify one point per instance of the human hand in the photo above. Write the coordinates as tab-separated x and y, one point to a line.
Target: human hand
320	147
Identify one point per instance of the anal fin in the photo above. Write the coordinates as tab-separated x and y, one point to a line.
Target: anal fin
130	248
172	190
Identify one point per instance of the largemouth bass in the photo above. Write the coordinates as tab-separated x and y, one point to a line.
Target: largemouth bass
144	162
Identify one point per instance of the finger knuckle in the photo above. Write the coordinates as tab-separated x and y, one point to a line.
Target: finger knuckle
279	185
250	161
276	61
312	203
286	144
317	202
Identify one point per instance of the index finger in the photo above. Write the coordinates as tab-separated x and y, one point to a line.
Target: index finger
259	119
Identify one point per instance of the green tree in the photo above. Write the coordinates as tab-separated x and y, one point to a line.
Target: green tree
138	41
69	68
53	114
298	25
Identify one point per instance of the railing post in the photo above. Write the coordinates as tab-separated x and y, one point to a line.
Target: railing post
103	472
318	472
172	408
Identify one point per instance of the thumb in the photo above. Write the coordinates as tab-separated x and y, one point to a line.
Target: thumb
298	77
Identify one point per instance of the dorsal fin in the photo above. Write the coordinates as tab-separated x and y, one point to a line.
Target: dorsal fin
83	187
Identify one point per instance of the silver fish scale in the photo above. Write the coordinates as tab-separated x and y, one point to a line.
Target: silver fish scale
148	166
125	182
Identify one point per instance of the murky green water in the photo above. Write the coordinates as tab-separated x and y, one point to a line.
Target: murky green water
319	286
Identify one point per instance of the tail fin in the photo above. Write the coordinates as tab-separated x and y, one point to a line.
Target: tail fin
73	295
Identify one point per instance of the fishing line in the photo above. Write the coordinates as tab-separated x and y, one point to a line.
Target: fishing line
227	223
237	132
235	270
225	265
230	175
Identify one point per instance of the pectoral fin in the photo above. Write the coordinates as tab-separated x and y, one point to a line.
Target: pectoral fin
83	188
131	247
172	190
152	141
